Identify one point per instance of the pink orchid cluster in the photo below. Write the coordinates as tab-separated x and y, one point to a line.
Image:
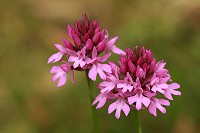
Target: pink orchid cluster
136	84
86	42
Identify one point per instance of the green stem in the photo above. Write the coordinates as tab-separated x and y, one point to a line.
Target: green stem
137	122
93	109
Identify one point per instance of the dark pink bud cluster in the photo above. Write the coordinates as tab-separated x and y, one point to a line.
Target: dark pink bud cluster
82	50
136	84
86	33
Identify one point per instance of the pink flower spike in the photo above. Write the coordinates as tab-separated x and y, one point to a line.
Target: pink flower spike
101	98
157	103
56	57
59	74
136	82
172	90
119	105
110	46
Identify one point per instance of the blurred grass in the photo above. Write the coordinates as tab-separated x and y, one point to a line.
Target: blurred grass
31	103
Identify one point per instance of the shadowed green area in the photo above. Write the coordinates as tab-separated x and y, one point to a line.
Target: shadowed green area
31	103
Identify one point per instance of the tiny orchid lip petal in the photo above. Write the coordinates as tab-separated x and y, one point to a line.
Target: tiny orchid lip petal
101	99
66	67
172	90
55	57
107	86
118	106
60	75
157	104
93	73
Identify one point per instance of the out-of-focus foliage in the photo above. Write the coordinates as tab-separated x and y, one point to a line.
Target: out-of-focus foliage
31	103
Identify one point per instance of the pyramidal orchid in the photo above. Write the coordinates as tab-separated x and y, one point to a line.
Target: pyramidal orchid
137	83
86	49
87	41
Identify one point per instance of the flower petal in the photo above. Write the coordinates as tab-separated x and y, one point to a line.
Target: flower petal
104	57
112	107
112	41
152	109
60	48
55	57
101	103
94	53
168	95
126	109
93	73
145	101
118	112
139	102
132	99
106	68
101	73
62	80
117	50
72	59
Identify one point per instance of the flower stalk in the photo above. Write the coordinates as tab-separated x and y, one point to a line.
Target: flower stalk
137	122
93	109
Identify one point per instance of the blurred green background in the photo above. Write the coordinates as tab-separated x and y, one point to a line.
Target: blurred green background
31	103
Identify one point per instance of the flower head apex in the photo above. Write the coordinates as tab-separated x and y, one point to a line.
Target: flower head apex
136	84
